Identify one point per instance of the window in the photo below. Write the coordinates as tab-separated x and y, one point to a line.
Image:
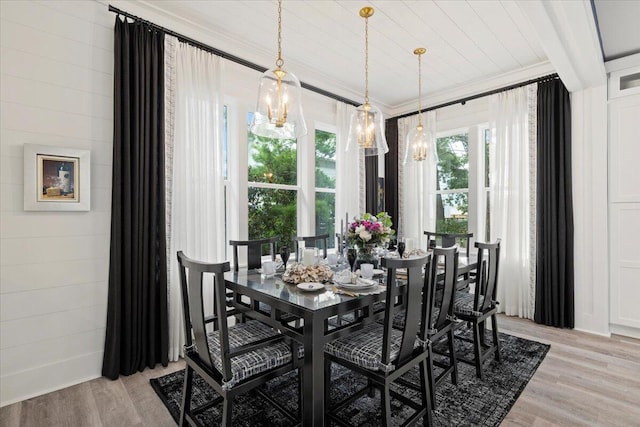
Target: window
462	192
272	187
452	191
325	190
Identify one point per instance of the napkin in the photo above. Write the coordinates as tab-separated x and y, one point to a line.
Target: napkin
343	276
354	293
366	282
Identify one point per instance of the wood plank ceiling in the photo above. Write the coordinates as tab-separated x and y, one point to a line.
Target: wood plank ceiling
323	42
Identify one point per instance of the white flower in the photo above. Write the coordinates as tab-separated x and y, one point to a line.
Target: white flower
365	235
360	229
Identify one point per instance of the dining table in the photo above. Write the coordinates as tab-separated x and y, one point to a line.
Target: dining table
312	318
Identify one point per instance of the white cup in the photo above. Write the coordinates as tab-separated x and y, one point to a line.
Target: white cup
332	259
366	271
269	268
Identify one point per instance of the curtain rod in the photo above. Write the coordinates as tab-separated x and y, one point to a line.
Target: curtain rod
228	56
483	94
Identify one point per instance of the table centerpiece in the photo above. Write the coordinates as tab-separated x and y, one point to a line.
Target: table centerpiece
368	231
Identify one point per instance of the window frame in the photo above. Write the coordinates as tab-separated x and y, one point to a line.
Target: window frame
324	127
477	192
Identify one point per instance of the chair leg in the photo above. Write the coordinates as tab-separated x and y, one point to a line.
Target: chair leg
385	396
300	401
431	378
477	350
186	395
327	384
496	341
427	391
372	388
227	406
452	358
483	331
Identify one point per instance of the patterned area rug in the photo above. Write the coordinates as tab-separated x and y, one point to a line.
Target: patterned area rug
471	403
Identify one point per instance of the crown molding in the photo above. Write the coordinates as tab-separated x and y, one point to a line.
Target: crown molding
485	85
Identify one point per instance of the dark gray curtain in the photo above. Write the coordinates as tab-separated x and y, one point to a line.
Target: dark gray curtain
371	175
137	322
391	170
554	274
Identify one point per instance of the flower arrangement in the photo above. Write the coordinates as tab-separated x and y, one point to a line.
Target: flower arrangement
370	230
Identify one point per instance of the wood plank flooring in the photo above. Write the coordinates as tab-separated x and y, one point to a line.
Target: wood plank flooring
585	380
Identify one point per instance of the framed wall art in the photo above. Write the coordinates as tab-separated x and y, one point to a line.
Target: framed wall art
56	178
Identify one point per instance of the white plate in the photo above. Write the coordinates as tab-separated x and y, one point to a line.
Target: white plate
377	271
310	286
259	270
357	285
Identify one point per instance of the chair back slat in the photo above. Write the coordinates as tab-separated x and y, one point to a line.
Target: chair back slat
488	262
254	251
312	242
451	239
447	257
413	304
192	283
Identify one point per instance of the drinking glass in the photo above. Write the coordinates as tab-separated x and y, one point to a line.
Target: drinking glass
269	268
401	248
284	255
366	270
352	255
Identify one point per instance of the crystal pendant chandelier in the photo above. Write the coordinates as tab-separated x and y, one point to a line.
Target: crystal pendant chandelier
366	128
419	140
278	113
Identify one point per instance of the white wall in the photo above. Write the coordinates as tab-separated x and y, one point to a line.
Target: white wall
56	89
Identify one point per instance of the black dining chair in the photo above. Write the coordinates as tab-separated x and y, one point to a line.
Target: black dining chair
383	353
254	260
312	242
231	359
443	270
446	240
475	308
254	251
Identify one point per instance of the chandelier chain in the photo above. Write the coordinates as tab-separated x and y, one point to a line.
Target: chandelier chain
279	61
420	89
366	60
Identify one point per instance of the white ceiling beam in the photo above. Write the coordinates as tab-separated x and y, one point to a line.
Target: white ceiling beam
567	32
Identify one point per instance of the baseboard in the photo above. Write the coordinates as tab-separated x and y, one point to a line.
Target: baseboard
40	380
626	331
602	334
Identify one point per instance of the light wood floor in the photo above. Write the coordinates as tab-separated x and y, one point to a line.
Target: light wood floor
584	380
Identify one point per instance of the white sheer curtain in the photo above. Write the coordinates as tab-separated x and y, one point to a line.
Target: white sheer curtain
510	195
416	185
350	194
197	191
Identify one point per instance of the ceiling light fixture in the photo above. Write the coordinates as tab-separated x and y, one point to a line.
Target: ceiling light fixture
419	140
279	110
366	129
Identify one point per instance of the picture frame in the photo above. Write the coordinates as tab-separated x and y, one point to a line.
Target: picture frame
56	178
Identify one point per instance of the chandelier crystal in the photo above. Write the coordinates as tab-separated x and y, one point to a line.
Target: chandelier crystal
366	128
278	112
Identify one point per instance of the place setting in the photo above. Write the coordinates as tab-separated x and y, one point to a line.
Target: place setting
360	282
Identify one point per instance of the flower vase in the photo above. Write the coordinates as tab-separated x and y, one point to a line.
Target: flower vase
366	255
